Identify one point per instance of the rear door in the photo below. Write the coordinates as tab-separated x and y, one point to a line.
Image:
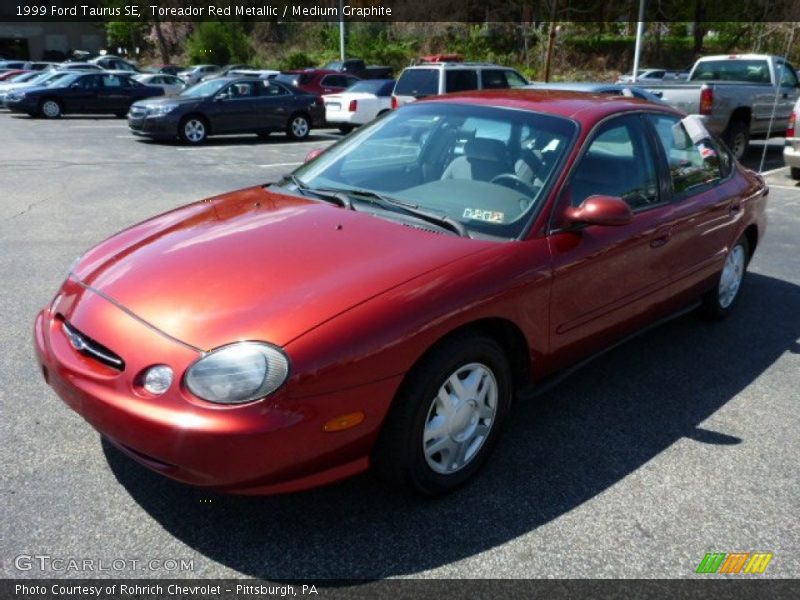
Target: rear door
460	80
273	106
705	201
113	96
608	281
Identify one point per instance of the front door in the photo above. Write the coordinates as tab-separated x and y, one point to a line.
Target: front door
609	280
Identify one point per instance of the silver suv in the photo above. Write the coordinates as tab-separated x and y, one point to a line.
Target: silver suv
431	79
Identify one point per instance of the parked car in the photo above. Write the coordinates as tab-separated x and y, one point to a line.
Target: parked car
600	88
227	71
78	66
645	76
228	106
115	63
44	79
791	151
171	84
259	73
12	65
12	73
253	342
431	79
317	81
197	72
40	65
359	104
168	69
92	93
357	67
738	96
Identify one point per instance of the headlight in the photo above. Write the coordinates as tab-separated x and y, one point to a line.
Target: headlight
238	373
160	109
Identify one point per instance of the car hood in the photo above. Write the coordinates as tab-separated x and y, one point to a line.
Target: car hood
259	265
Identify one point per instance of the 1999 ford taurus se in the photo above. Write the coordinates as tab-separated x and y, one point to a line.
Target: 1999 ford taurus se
383	304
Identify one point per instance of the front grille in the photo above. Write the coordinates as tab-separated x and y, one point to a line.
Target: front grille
88	347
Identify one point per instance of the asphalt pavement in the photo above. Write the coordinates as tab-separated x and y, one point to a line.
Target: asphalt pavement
681	442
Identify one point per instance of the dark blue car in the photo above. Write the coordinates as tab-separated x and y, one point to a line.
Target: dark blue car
82	93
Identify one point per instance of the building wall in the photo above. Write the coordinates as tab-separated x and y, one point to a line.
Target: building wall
54	37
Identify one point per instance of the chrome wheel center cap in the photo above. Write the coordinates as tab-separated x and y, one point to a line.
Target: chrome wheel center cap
464	420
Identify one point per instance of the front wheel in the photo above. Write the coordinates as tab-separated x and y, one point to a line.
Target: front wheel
718	303
447	416
298	127
50	108
193	130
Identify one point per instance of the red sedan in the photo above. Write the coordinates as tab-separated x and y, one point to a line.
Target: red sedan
317	81
383	304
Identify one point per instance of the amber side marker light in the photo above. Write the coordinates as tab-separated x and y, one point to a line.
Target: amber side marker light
343	422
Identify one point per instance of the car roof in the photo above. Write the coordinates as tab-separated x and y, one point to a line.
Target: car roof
576	105
459	65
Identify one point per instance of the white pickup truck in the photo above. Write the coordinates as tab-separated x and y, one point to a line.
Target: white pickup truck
738	96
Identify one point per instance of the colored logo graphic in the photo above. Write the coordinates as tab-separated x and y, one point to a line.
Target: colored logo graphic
735	562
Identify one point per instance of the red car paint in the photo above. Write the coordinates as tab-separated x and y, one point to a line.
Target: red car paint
314	81
355	302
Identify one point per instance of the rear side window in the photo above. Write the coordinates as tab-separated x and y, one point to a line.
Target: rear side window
460	80
494	79
694	158
787	75
418	82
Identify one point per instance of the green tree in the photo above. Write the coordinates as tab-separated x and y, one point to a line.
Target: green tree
219	43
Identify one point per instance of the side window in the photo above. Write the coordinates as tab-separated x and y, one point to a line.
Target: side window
112	81
91	82
350	81
694	158
460	80
788	75
273	89
493	79
333	81
515	79
618	162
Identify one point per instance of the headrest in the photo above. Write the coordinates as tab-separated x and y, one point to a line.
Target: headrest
485	149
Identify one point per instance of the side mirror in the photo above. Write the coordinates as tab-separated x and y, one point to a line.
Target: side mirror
313	154
599	210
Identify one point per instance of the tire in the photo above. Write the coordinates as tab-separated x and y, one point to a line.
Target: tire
737	137
459	438
795	173
298	127
50	108
719	302
345	129
193	130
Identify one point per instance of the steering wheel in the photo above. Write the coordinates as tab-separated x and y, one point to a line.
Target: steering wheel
510	180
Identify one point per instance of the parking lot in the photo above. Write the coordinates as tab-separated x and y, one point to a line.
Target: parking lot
681	442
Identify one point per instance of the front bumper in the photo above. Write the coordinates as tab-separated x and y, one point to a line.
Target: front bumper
162	127
274	445
791	153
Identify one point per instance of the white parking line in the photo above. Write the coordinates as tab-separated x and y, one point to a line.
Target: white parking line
784	187
280	164
773	171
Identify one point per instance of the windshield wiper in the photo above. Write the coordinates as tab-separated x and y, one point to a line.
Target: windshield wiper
338	197
406	207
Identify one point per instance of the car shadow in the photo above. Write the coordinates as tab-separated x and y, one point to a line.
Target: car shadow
557	452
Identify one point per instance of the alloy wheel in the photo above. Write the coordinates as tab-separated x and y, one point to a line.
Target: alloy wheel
732	274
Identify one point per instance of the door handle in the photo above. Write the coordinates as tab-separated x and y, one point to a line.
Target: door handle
736	205
661	237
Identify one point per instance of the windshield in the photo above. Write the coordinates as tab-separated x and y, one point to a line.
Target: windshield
206	88
334	65
485	167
